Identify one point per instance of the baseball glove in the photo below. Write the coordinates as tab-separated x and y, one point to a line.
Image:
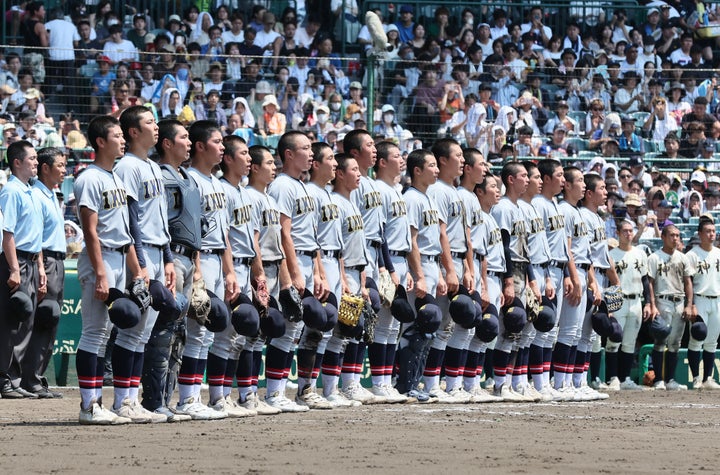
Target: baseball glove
648	378
351	306
291	302
386	289
199	303
532	306
139	294
613	297
371	319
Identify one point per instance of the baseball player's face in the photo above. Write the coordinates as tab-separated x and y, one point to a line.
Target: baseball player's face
556	182
600	194
180	148
325	166
455	160
429	173
368	152
534	183
707	235
395	162
148	130
520	181
266	170
242	159
214	148
302	153
575	189
625	235
115	142
350	177
671	238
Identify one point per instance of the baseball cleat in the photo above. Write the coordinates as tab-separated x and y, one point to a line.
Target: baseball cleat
308	397
197	410
253	403
629	385
659	386
279	401
96	414
507	394
337	399
614	384
172	416
673	385
710	383
128	410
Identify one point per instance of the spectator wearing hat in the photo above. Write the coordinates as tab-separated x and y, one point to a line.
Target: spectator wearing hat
100	85
390	129
33	98
261	90
637	168
322	126
659	123
272	121
629	97
535	25
405	23
9	134
630	143
705	158
118	49
484	40
677	105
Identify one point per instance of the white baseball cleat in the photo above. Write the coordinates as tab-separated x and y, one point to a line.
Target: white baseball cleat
96	414
710	383
629	385
673	385
614	384
279	401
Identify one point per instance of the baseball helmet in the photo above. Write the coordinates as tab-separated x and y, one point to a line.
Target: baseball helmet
123	312
20	305
488	327
659	329
162	300
546	318
218	318
314	314
47	314
331	312
273	326
429	315
401	308
462	309
616	330
698	329
601	321
245	318
375	301
514	316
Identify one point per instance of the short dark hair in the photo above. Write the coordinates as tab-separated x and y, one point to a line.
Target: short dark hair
130	119
17	151
47	156
511	168
417	159
99	127
231	143
288	142
167	129
257	154
383	152
441	148
547	167
201	131
353	141
483	186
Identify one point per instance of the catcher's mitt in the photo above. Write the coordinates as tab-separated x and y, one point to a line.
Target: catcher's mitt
291	302
139	294
532	307
371	319
199	303
351	306
648	378
613	297
386	289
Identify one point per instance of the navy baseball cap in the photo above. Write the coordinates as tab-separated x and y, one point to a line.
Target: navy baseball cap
374	294
616	331
698	329
659	329
163	301
331	315
601	323
47	314
218	318
462	310
314	314
514	316
401	308
20	305
488	328
123	312
429	315
273	326
546	318
245	318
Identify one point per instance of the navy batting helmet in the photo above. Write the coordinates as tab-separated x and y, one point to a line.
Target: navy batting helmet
698	329
401	308
616	330
218	318
123	312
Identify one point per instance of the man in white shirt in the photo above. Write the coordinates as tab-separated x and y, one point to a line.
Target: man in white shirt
118	49
61	53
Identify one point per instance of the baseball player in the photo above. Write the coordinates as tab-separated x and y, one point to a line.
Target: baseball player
457	265
148	225
266	219
247	261
298	221
530	353
360	145
216	265
513	228
581	276
388	168
672	284
51	173
20	276
705	262
631	266
590	342
475	172
423	258
163	351
553	183
312	347
103	212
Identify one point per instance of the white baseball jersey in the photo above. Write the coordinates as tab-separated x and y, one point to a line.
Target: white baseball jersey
295	202
630	266
329	235
599	252
554	222
538	248
103	193
510	218
705	271
266	218
397	226
353	233
450	211
577	230
492	245
473	216
668	272
423	215
143	180
369	201
214	204
239	210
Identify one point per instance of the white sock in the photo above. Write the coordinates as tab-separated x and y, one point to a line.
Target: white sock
577	379
120	395
243	393
133	394
186	391
86	396
499	380
559	379
226	391
330	384
451	382
387	379
347	379
357	377
469	383
216	393
273	386
196	392
378	380
538	381
313	383
431	382
302	382
517	380
546	378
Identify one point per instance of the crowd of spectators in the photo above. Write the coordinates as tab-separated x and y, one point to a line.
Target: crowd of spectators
508	81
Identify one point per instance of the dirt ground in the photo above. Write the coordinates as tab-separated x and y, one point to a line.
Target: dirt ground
632	432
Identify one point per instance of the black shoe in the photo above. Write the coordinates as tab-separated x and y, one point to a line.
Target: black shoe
45	393
26	394
9	392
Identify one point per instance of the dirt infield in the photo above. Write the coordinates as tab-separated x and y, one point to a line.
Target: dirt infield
632	432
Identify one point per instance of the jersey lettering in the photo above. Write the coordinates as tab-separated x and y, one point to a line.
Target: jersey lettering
456	209
430	217
518	229
372	199
304	204
241	215
537	225
270	217
329	212
703	267
214	201
114	198
152	188
580	230
557	222
495	237
354	223
398	208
